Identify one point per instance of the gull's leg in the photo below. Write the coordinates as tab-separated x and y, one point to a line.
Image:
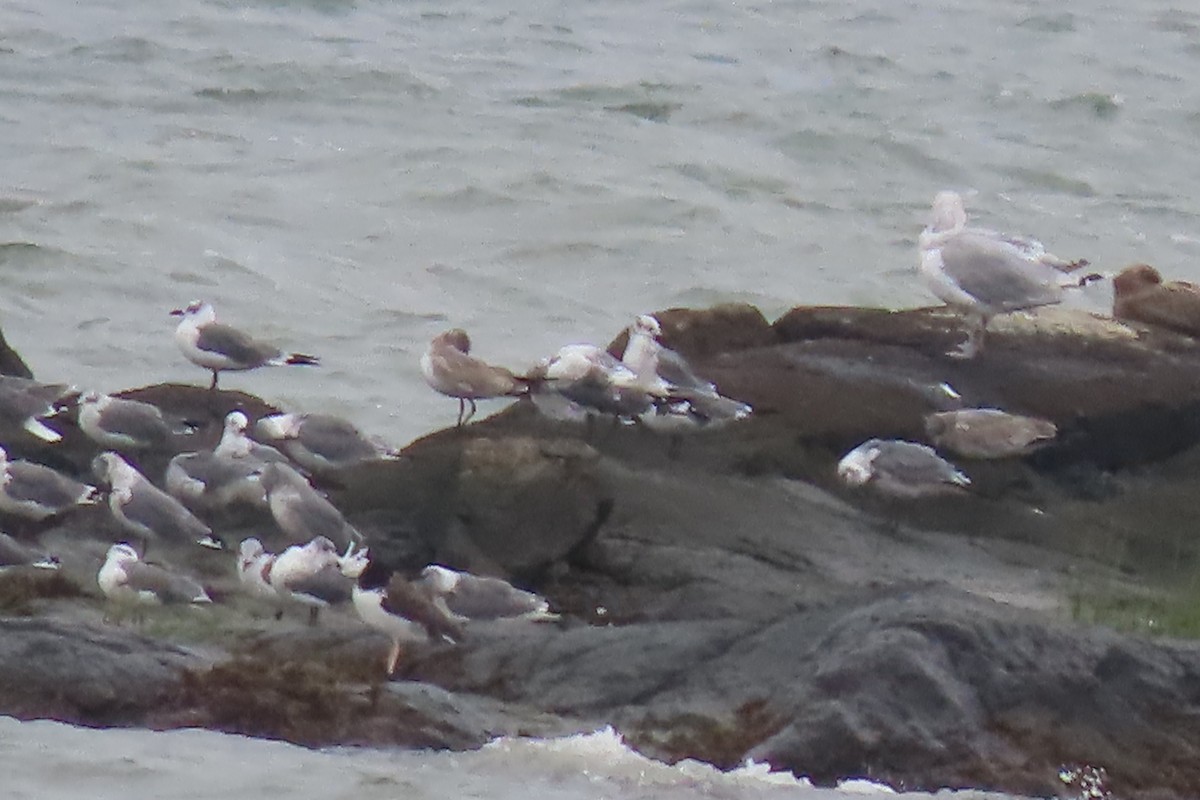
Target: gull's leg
470	413
212	386
313	611
462	407
393	657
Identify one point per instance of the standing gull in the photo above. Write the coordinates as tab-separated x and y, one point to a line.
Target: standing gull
301	512
217	347
146	511
981	272
900	469
25	403
448	367
124	578
1140	294
988	432
36	492
320	443
310	575
123	425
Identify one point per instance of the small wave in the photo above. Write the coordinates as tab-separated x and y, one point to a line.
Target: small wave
1049	23
1100	104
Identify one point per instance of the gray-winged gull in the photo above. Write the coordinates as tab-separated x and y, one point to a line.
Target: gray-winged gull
16	554
900	469
470	597
669	374
320	443
146	511
300	511
236	444
590	379
988	432
125	578
123	425
25	403
218	347
310	575
205	480
36	492
981	272
448	367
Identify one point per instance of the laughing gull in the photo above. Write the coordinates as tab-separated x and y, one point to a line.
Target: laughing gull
403	610
320	443
981	272
900	469
310	575
123	425
301	512
15	554
590	379
1141	295
470	598
217	347
36	492
207	481
449	368
988	432
124	578
668	373
25	403
146	511
236	444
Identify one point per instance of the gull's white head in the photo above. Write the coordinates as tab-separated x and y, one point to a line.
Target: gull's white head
442	580
648	325
948	215
92	398
278	426
113	469
857	467
121	553
196	312
249	550
3	457
236	422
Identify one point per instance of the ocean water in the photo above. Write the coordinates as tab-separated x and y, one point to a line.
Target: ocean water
350	177
49	761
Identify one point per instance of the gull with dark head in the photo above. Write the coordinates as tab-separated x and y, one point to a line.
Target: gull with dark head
900	469
988	432
320	443
448	367
218	347
126	579
301	512
1140	294
36	492
26	403
123	425
146	511
983	273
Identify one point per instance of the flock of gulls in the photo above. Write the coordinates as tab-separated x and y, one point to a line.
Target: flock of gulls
323	560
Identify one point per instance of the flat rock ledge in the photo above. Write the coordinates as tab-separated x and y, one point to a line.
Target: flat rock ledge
722	596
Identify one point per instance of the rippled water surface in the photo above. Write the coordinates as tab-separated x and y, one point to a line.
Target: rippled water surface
349	178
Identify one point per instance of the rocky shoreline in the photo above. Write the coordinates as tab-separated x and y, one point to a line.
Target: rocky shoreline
723	597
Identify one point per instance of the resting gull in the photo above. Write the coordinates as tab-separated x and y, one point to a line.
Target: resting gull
310	575
36	492
207	481
123	425
900	469
981	272
320	443
146	511
15	554
254	569
301	512
589	379
988	432
449	368
218	347
236	444
1141	295
25	403
125	578
472	598
669	374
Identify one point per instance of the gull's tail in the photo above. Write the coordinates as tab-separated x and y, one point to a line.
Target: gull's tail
302	360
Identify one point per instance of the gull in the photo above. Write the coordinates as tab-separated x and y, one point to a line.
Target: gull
123	425
217	347
448	367
900	469
404	611
988	432
669	374
125	578
982	272
236	444
469	597
320	443
590	379
146	511
206	480
25	403
300	511
1140	294
15	554
36	492
310	575
254	569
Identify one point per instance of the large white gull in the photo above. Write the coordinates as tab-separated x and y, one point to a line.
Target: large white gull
218	347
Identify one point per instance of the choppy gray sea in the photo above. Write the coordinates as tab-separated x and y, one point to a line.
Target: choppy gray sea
349	178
